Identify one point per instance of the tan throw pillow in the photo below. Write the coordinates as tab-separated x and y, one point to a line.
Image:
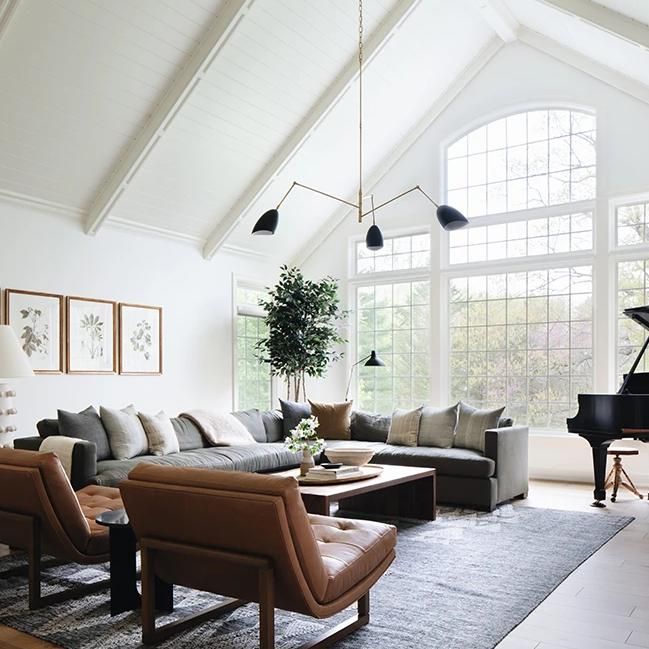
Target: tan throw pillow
471	426
404	427
125	432
160	433
334	419
437	426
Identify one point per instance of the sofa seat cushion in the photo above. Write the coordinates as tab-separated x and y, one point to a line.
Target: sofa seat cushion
350	550
93	501
448	461
260	457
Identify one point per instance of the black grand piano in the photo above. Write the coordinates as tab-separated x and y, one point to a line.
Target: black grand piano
603	418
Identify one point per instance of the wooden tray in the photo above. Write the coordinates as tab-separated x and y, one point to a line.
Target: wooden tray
368	471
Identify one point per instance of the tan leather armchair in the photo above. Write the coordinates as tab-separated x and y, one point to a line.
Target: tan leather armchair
41	514
249	537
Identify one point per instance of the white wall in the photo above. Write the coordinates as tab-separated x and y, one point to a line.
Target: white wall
518	77
45	252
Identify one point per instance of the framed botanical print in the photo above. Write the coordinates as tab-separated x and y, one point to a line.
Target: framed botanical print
140	339
91	336
37	319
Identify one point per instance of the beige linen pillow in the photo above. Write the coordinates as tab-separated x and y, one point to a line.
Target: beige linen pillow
125	432
404	427
160	433
334	419
437	426
471	426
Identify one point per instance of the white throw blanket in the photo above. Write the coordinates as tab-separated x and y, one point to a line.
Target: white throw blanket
220	428
63	447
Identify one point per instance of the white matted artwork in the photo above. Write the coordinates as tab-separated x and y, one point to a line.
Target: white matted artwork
37	319
91	336
140	339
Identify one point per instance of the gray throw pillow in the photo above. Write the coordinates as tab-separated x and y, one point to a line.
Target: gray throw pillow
88	426
273	425
189	437
125	432
437	426
252	420
370	428
404	428
293	412
471	426
160	433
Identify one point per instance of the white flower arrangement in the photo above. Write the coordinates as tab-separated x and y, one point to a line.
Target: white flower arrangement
304	437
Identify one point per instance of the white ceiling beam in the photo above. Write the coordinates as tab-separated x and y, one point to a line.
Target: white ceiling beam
373	44
605	19
7	12
585	64
441	104
498	16
173	99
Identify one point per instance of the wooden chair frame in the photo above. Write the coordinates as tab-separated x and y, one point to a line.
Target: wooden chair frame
266	597
24	533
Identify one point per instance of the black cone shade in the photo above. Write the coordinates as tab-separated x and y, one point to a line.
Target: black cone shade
374	238
450	219
267	223
374	360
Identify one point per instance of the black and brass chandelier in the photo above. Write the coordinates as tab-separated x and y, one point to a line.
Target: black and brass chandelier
448	217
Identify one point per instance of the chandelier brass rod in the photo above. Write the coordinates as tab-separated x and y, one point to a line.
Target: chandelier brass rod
317	191
395	198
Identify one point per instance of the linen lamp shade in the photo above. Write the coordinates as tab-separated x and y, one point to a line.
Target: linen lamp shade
14	363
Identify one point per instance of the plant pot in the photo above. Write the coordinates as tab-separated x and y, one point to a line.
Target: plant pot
306	463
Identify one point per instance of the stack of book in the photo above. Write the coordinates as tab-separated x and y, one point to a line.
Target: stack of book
321	473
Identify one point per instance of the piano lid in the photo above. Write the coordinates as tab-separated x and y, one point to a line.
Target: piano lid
639	314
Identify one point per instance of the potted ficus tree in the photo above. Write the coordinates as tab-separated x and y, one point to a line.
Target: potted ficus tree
303	318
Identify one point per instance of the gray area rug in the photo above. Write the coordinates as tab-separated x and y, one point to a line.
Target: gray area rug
461	582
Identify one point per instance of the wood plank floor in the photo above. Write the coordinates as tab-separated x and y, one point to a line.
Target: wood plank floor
604	604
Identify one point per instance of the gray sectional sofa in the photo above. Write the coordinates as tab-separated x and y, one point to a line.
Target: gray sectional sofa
464	477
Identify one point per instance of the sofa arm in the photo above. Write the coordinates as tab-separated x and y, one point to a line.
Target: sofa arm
508	448
84	459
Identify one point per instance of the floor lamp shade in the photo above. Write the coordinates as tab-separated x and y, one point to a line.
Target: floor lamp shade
14	364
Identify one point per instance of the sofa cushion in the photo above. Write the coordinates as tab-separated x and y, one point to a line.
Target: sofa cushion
88	426
471	426
261	457
448	461
160	433
333	419
437	426
293	413
253	422
189	437
404	428
48	427
273	424
125	432
366	427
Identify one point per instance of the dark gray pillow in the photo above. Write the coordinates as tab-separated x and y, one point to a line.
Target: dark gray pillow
252	420
189	437
85	425
48	427
293	412
273	424
370	428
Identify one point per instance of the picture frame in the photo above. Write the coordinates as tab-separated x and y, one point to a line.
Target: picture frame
39	322
91	336
140	340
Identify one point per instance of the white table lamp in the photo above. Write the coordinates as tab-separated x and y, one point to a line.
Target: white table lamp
14	364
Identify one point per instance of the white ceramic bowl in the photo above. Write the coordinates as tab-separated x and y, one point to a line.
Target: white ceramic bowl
353	456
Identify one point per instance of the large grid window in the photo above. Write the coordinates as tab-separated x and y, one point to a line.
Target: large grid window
253	379
398	253
394	319
523	339
632	291
632	222
528	160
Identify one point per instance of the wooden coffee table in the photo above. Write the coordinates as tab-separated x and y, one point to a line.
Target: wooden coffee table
399	491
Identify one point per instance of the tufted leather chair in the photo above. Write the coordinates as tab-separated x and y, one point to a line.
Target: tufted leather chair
41	514
249	537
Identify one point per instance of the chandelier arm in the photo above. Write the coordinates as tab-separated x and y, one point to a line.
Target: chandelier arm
317	191
395	198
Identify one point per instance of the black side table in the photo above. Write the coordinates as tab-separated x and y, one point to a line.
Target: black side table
124	595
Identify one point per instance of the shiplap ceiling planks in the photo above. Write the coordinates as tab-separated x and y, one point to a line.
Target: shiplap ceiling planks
88	86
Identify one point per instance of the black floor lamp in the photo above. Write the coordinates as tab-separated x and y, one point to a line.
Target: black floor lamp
371	360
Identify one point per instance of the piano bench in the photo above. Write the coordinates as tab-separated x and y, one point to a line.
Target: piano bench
616	475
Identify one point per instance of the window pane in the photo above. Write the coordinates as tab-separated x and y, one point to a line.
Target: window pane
253	376
632	224
398	253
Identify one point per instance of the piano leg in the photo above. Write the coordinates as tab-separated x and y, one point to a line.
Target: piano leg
600	450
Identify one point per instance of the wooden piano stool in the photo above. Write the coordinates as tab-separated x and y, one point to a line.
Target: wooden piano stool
616	475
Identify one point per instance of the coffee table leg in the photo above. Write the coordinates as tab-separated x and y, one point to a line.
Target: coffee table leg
123	589
164	596
316	504
426	498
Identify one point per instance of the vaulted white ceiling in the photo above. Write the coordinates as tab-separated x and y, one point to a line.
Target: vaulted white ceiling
191	117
